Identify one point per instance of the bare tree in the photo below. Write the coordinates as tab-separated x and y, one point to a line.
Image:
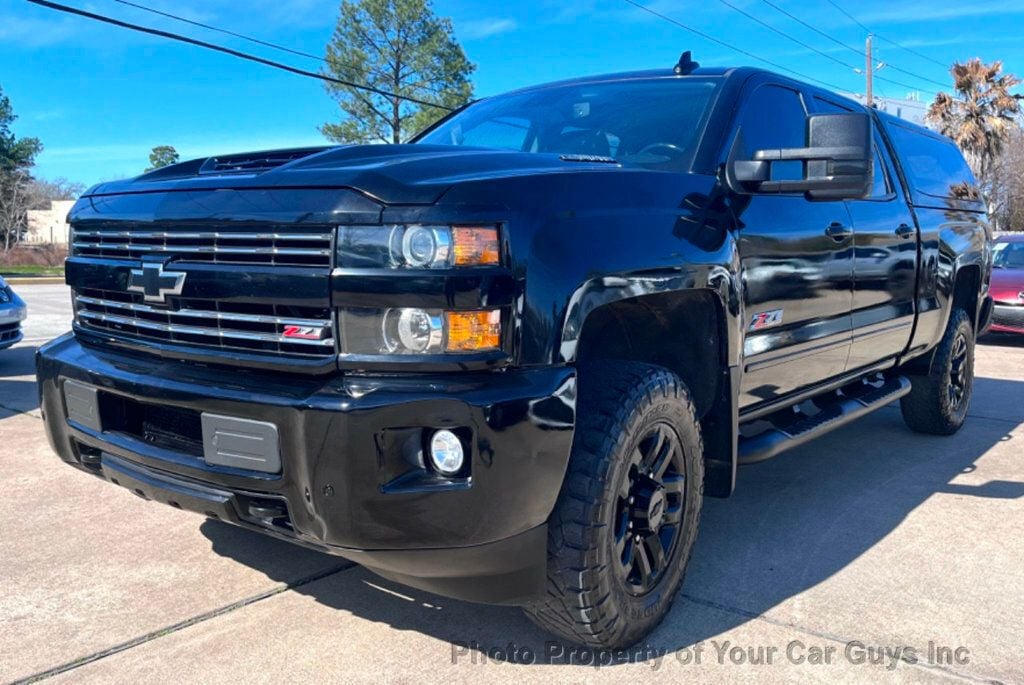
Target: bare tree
1007	201
17	195
55	190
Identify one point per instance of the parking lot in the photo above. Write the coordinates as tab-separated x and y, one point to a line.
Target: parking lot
875	552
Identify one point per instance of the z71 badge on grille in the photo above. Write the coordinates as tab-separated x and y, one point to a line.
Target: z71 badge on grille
303	332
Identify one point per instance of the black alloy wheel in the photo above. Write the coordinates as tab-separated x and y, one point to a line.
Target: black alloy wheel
649	509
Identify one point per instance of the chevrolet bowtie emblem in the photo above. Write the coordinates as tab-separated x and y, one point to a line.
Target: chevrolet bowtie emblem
154	283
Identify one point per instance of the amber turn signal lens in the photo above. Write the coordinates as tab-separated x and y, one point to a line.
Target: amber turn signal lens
474	331
472	246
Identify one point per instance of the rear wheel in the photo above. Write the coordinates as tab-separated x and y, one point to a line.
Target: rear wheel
938	403
627	516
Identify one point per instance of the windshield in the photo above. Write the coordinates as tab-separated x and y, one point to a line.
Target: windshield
1008	255
655	122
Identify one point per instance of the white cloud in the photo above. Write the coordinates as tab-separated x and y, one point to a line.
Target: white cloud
47	115
485	28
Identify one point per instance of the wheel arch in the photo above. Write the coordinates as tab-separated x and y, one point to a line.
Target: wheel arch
686	332
965	292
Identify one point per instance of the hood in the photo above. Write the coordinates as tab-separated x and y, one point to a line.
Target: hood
1007	285
392	174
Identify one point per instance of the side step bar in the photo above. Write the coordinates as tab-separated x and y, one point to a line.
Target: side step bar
776	440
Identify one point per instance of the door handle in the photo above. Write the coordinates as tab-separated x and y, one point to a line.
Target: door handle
905	231
838	232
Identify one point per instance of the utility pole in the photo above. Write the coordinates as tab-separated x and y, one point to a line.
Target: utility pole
869	72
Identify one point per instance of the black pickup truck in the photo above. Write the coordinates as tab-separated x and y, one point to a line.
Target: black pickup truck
506	362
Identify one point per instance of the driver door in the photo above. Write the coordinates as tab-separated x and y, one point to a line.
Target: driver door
797	263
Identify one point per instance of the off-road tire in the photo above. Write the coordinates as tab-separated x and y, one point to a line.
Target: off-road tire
932	405
588	601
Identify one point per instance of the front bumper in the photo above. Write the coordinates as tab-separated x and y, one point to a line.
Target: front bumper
1007	318
347	484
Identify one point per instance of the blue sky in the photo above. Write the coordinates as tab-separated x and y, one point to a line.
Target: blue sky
100	97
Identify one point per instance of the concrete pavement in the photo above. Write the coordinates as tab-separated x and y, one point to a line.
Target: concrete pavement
49	310
870	544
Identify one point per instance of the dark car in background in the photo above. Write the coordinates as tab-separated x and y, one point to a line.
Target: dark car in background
12	313
1008	284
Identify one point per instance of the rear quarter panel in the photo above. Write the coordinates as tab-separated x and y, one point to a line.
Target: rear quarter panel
954	230
951	238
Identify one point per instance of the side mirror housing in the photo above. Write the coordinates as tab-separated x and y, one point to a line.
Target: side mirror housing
838	161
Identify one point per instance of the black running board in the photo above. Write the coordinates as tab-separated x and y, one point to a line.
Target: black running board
776	440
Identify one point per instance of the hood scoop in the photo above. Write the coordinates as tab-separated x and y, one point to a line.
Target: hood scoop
255	162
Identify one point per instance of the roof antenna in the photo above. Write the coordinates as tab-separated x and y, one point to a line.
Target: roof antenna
686	64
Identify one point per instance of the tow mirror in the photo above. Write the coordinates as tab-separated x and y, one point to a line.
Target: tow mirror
837	162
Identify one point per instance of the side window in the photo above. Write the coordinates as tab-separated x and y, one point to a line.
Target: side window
774	117
933	164
828	107
883	186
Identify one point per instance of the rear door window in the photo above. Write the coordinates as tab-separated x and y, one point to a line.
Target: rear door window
933	163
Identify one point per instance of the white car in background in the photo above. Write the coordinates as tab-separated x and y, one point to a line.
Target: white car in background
12	312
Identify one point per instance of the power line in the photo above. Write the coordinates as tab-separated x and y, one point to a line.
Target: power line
902	47
257	41
234	53
200	24
782	33
813	28
847	45
816	50
724	44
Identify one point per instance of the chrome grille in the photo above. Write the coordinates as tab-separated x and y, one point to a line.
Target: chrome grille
9	331
286	248
206	323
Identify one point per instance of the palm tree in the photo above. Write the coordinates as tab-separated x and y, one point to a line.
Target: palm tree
982	115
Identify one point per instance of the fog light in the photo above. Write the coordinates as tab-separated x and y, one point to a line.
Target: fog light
446	452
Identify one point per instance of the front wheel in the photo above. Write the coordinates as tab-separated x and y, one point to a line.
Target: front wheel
627	516
938	403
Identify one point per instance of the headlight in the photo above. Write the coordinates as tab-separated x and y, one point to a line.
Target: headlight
417	247
411	331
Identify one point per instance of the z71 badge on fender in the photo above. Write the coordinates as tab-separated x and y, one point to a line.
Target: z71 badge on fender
763	320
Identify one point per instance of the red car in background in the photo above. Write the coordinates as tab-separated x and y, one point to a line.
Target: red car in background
1008	284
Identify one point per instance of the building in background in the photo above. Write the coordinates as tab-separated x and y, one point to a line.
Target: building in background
49	225
906	108
911	107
